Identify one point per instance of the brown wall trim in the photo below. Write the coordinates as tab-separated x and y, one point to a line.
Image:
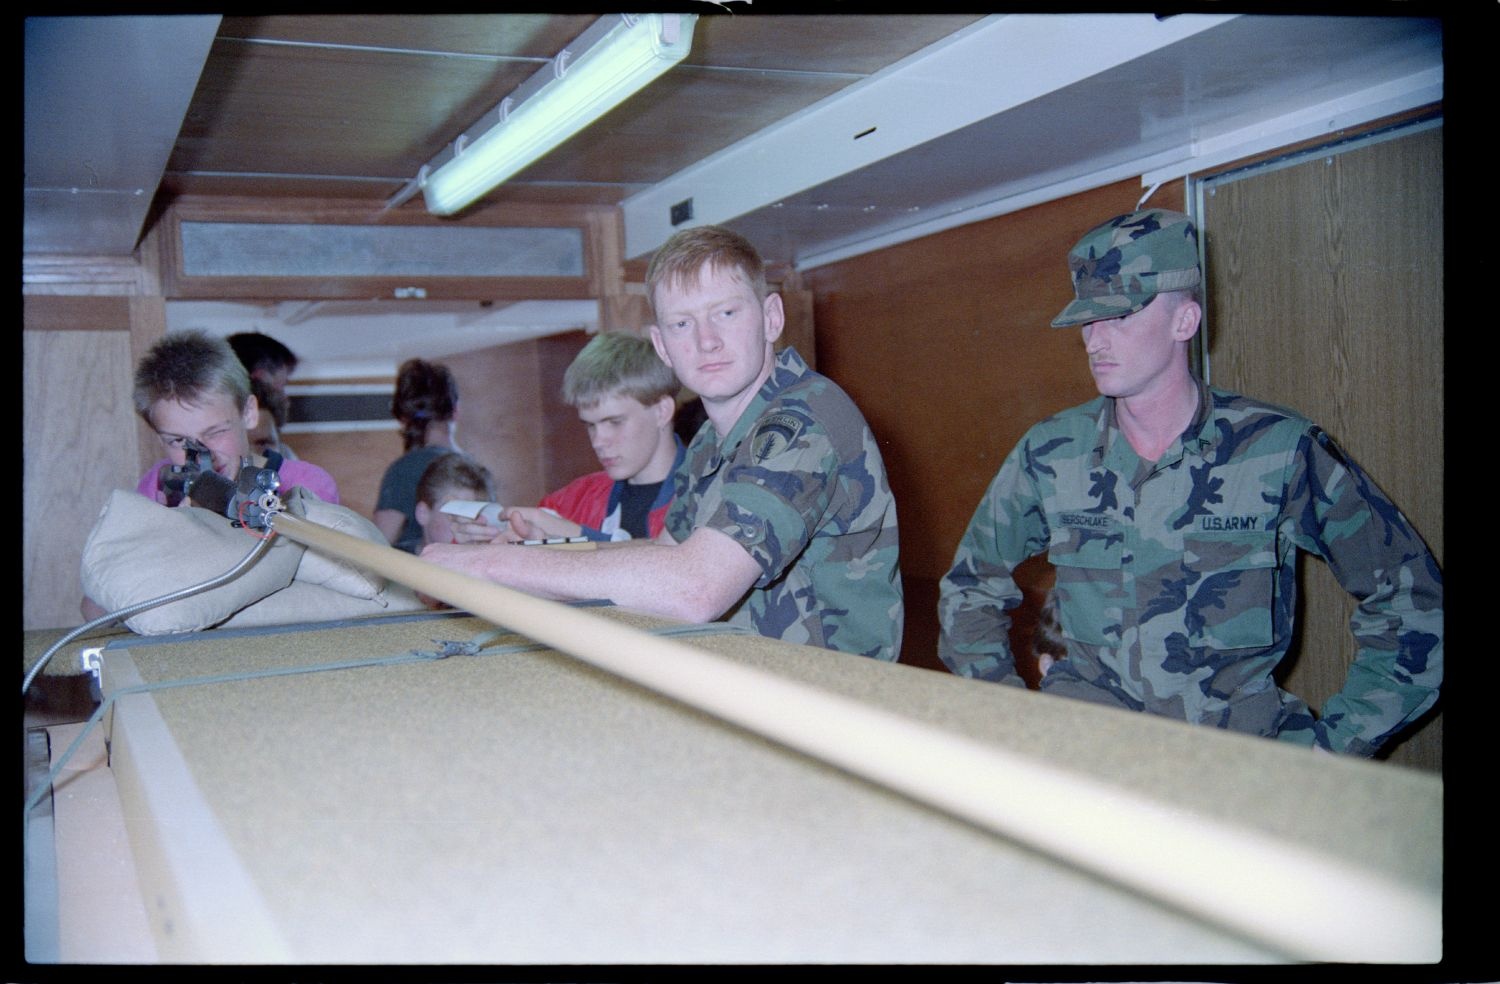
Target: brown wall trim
75	313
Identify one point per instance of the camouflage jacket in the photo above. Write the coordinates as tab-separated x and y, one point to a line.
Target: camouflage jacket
1176	581
800	484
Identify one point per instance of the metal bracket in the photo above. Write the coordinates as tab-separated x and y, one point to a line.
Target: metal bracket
91	661
449	647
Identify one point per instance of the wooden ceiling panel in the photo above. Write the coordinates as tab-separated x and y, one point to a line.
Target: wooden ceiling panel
682	118
175	185
331	111
538	36
357	104
857	43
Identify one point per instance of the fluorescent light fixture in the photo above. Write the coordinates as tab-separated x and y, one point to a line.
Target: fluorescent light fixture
607	64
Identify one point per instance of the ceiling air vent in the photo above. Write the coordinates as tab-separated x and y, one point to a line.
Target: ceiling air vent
281	249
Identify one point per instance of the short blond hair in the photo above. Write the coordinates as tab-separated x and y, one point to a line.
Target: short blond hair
683	257
617	362
187	366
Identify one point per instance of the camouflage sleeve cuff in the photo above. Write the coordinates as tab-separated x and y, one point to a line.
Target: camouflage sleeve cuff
770	530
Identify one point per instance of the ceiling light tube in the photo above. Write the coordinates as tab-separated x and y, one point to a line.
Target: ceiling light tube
571	93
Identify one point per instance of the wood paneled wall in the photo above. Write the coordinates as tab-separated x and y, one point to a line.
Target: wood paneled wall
945	343
355	459
1343	322
86	322
70	461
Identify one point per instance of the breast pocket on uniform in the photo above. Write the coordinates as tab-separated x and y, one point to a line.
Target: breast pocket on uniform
1230	598
1088	559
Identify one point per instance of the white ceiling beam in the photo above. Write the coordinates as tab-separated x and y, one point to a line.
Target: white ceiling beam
1005	200
1228	142
986	68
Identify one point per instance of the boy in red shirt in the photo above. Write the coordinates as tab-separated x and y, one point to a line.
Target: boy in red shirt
625	395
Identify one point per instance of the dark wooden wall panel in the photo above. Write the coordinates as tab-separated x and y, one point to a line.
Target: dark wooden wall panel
497	412
565	449
945	343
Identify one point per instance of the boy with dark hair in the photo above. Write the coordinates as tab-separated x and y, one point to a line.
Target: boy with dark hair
264	358
452	475
270	364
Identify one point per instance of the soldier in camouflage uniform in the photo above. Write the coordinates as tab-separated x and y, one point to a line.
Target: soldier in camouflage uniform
1172	512
798	482
783	518
785	467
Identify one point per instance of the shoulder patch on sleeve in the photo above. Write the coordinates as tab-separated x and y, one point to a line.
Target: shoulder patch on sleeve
774	435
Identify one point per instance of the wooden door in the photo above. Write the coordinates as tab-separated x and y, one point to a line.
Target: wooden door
1325	294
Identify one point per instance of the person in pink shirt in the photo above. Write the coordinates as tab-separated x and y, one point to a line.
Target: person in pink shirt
195	393
193	390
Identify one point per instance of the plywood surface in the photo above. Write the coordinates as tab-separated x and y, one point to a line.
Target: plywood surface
521	807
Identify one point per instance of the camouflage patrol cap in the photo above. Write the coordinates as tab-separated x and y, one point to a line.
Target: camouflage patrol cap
1120	265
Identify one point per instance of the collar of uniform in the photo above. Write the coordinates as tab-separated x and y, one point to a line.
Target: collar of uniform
1111	449
788	369
1201	432
669	487
1195	438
